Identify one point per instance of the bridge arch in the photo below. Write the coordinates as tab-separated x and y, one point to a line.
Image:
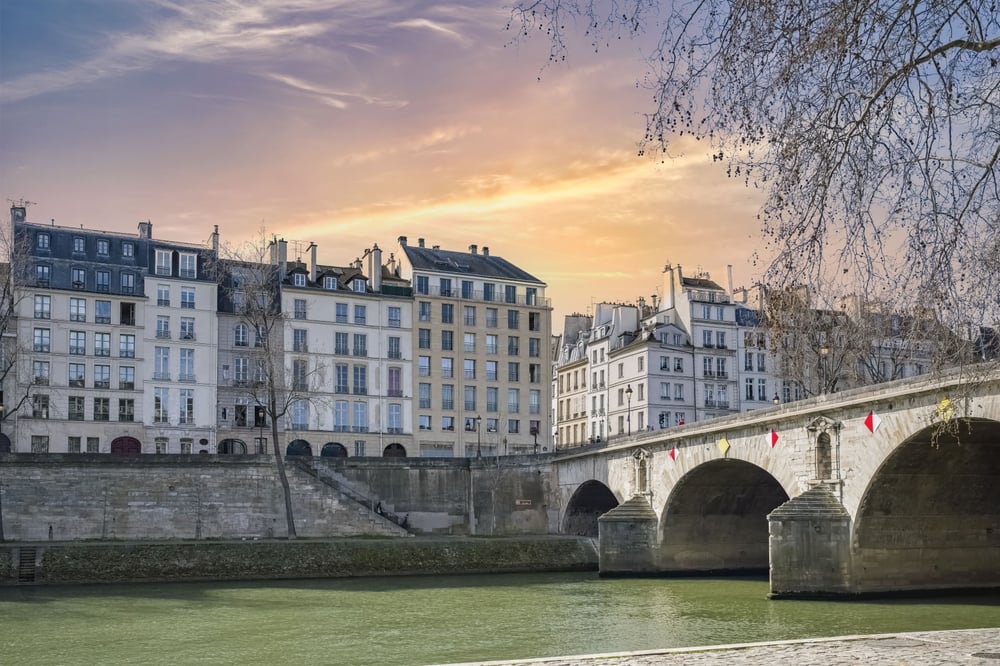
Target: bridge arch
590	501
930	514
715	518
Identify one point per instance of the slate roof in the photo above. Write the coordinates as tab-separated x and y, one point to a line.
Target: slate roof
465	263
747	317
700	283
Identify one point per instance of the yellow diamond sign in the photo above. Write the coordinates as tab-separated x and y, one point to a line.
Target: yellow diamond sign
945	410
723	446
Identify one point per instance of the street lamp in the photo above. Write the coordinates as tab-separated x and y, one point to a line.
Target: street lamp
776	400
628	398
479	437
823	352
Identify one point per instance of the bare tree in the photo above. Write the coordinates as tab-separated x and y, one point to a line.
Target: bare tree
872	127
250	280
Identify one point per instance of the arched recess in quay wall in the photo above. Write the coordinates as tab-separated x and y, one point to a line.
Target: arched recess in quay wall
590	501
394	450
299	447
333	450
125	446
930	516
715	519
233	447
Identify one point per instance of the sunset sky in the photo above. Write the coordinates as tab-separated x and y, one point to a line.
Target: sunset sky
351	123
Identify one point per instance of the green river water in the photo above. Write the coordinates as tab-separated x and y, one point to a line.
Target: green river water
431	620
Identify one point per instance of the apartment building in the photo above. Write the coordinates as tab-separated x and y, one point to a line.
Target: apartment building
483	355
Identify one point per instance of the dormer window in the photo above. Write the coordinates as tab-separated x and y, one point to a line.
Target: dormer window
329	282
188	265
299	279
359	286
43	241
163	262
79	244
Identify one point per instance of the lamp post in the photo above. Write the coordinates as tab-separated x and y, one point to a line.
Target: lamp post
776	400
823	352
479	437
628	398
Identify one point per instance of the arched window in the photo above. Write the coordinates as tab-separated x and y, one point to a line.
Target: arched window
333	450
824	457
241	335
299	447
236	447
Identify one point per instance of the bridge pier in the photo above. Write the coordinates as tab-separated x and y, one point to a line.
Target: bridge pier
628	539
810	546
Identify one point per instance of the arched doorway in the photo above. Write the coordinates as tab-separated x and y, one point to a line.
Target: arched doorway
926	518
233	447
716	518
299	447
126	446
394	450
590	501
333	450
4	443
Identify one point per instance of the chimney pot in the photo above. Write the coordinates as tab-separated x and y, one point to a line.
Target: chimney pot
420	242
486	251
402	240
473	249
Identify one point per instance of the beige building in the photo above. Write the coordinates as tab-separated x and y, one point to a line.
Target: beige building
481	337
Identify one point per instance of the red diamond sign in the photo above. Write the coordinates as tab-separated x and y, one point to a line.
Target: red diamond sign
774	438
873	421
673	453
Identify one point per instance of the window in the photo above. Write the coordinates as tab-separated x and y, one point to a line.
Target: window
424	366
241	370
748	361
341	313
447	341
424	338
514	372
102	409
300	415
469	398
395	317
395	421
360	380
161	366
447	367
187	407
469	343
720	368
360	423
341	378
102	376
535	373
126	345
104	281
187	328
187	298
469	315
128	249
491	371
42	275
534	347
162	295
509	293
260	370
77	375
299	279
761	389
424	311
513	400
77	309
77	343
513	345
79	244
534	321
126	410
126	314
360	314
359	448
300	308
160	405
40	443
707	339
186	366
513	426
749	388
395	349
102	344
467	288
359	285
394	382
489	291
42	241
492	400
240	415
300	340
491	343
40	372
340	416
340	343
75	408
241	335
761	366
43	306
40	406
535	401
163	262
93	445
445	286
163	327
678	364
329	282
720	339
360	344
126	378
424	394
491	317
678	391
188	265
79	278
103	247
513	319
447	313
102	312
470	369
447	396
73	444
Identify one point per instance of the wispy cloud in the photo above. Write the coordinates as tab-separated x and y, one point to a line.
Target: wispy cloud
330	96
434	26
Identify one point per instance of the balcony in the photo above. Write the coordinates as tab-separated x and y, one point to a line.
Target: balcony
395	355
395	393
105	384
359	429
163	335
716	404
42	381
186	377
161	376
394	431
163	302
341	428
360	390
187	335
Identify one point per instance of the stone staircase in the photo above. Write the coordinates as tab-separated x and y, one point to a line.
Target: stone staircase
26	565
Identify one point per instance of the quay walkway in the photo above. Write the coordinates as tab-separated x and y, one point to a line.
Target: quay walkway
980	647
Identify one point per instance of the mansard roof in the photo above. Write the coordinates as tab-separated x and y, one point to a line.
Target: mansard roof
700	283
465	263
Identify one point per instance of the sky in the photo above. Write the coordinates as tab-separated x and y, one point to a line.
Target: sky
355	122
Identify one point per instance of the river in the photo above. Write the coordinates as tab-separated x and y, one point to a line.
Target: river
431	620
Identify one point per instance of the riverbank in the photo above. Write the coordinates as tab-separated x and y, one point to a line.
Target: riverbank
67	563
966	646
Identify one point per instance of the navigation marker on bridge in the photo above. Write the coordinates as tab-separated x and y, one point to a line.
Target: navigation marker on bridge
873	421
774	438
723	446
673	453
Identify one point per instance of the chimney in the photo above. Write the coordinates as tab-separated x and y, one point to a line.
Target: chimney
653	299
215	240
312	262
729	273
420	242
18	214
145	229
670	290
486	251
375	268
402	240
279	255
473	249
436	247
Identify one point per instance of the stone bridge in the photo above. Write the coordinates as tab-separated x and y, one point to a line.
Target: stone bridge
875	490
